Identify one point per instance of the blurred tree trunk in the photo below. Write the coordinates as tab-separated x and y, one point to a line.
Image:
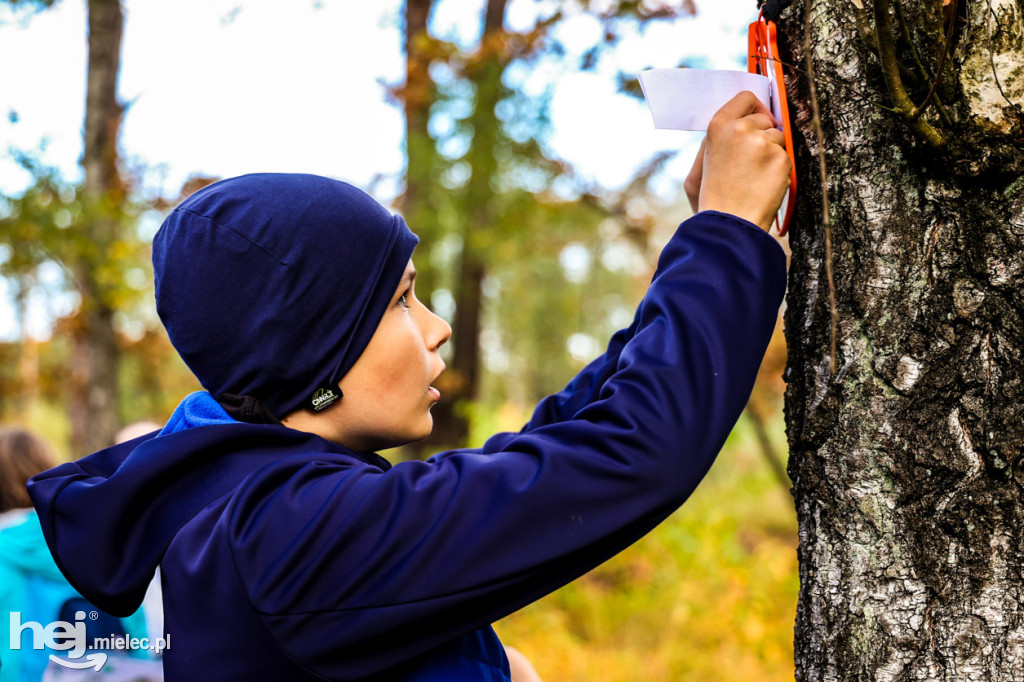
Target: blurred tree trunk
461	383
451	423
906	459
94	401
418	94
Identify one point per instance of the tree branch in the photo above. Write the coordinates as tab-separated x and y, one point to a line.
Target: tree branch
942	63
867	33
894	84
922	70
1016	108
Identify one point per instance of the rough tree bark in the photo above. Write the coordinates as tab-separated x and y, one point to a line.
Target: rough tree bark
907	460
94	411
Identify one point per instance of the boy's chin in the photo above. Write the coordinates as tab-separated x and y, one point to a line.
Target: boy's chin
413	436
424	433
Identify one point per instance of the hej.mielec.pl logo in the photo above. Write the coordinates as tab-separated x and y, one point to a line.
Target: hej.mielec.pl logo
71	637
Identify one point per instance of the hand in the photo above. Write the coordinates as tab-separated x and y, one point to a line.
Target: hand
742	167
693	180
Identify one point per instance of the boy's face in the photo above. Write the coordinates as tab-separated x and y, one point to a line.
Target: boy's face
387	394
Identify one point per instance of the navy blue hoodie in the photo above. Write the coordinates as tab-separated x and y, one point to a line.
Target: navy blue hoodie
285	556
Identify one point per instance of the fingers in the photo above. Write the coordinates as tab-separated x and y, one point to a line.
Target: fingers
757	122
743	104
775	136
700	152
745	170
695	177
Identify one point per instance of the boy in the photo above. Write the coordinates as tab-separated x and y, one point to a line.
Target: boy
288	549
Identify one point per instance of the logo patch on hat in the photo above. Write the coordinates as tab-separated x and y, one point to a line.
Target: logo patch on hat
324	397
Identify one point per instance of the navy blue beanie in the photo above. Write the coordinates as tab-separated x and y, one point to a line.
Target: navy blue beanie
271	285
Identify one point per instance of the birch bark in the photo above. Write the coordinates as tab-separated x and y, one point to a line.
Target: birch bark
907	460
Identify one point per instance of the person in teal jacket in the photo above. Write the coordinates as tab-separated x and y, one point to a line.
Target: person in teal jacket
31	585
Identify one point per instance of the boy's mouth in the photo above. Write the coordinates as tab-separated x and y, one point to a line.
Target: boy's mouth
433	392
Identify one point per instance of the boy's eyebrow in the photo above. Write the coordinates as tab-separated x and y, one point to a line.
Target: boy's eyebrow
407	279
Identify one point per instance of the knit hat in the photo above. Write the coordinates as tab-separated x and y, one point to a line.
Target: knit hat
270	285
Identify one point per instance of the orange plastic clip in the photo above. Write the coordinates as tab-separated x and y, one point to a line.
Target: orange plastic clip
763	59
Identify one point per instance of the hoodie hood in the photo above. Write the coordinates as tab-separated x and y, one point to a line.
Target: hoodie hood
109	517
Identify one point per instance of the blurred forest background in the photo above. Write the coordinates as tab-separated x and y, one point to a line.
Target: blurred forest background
534	266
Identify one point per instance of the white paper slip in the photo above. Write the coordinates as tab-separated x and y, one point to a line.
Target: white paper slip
686	99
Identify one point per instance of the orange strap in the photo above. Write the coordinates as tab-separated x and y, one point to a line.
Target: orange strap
763	59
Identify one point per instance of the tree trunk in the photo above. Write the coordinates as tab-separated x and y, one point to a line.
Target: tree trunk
96	341
461	383
417	96
417	202
462	380
452	423
906	460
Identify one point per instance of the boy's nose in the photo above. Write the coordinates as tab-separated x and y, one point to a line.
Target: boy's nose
441	331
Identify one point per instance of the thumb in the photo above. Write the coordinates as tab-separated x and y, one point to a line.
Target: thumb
695	177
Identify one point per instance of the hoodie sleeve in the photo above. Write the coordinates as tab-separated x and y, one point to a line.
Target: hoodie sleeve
356	570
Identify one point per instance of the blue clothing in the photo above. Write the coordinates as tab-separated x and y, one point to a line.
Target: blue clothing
285	556
32	586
